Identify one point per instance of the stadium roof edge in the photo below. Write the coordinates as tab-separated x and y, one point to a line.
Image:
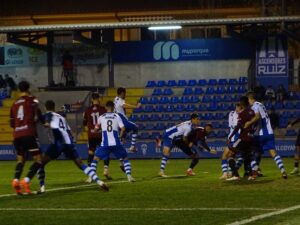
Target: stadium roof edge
204	22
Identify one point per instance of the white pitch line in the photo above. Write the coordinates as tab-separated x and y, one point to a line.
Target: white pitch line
134	209
69	188
266	215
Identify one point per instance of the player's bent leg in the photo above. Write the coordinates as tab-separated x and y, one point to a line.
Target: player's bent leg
296	162
106	171
18	172
42	175
278	162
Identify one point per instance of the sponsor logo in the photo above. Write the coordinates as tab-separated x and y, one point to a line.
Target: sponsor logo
14	52
166	50
144	148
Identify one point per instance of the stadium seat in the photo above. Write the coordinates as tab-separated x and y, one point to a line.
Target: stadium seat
222	82
192	83
241	89
231	89
212	135
278	105
154	117
286	114
171	83
243	80
202	107
144	117
155	135
153	100
283	122
159	108
227	98
144	100
181	83
164	100
291	133
213	106
168	91
186	99
148	108
160	126
217	98
212	82
207	116
216	124
185	117
175	117
169	108
221	134
151	83
149	126
207	99
219	116
165	117
210	90
268	105
198	91
180	108
195	99
141	126
157	91
144	135
233	81
220	90
224	125
190	108
139	110
161	83
202	82
175	100
289	105
188	91
297	106
134	118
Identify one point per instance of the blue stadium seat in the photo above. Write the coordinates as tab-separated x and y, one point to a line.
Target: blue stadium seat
210	90
278	105
232	107
175	100
283	122
212	135
164	100
186	99
180	108
217	98
159	108
222	82
157	91
219	116
188	91
160	126
233	81
140	126
149	108
202	107
207	99
291	133
171	83
243	80
227	98
151	83
144	100
198	91
155	135
231	89
224	125
168	91
153	100
236	98
134	118
165	117
285	114
190	108
144	135
161	83
221	134
212	82
208	116
241	89
149	126
268	105
154	117
169	108
297	106
139	110
192	83
195	99
202	82
176	117
181	83
216	124
144	117
220	90
185	116
223	106
213	106
289	105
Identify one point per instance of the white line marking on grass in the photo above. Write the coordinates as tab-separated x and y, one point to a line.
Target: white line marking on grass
266	215
134	209
69	188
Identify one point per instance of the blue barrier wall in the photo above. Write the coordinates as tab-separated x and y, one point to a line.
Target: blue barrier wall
148	150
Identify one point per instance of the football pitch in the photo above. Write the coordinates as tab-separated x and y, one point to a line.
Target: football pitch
202	199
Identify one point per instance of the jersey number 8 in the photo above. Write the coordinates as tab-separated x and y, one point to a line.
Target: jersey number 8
109	126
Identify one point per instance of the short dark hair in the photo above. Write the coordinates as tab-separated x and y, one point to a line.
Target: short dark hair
110	104
24	86
194	116
120	90
244	101
209	125
250	94
50	105
95	96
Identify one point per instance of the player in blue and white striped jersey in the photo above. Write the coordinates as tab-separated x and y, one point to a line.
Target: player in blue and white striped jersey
110	124
120	109
62	142
180	130
264	133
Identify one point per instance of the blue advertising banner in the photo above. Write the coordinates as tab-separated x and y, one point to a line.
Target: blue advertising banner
149	150
182	50
272	61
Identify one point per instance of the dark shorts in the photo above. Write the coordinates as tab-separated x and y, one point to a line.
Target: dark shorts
94	143
244	148
27	144
103	152
183	147
298	139
55	150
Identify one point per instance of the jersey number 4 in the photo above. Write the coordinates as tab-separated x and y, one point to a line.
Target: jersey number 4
20	114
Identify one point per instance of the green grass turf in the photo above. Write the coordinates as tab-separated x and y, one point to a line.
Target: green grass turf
202	190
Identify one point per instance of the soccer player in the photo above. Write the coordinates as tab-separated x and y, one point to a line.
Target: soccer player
24	114
120	109
110	123
297	149
90	119
196	140
264	132
244	144
62	143
180	130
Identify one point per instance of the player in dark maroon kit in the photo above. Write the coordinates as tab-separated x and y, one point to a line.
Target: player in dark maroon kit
24	114
90	119
245	143
196	140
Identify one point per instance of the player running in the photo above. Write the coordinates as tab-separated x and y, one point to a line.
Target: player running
62	142
264	132
90	119
120	109
24	114
110	123
180	130
196	140
297	149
